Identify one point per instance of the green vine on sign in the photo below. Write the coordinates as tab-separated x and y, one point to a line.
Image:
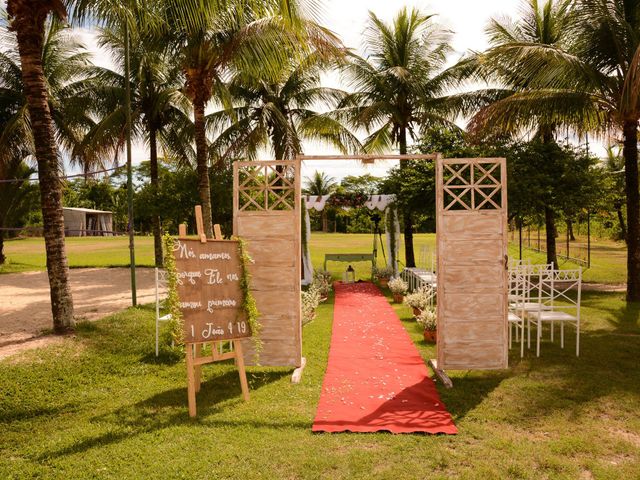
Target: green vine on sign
172	302
249	302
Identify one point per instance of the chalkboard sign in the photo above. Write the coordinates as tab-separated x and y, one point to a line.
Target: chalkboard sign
209	290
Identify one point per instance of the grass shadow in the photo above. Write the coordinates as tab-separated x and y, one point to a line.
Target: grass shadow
169	409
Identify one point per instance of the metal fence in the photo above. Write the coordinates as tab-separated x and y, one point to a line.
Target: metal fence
576	251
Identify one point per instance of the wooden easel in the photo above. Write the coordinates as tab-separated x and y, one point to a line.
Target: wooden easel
194	350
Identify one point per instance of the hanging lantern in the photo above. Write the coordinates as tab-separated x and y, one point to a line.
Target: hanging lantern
349	275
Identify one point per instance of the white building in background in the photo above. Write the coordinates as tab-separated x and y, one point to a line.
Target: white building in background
86	222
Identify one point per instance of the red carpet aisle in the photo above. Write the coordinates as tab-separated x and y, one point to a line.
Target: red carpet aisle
375	379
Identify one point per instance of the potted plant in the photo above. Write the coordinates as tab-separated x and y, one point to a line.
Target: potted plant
310	299
398	288
322	281
419	300
429	322
383	274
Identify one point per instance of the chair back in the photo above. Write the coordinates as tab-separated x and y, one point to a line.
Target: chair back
564	289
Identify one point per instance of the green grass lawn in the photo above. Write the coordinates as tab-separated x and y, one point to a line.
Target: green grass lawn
100	405
608	258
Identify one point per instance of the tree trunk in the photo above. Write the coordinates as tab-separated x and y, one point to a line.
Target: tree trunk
550	224
155	219
202	155
27	20
623	226
630	154
572	237
407	215
3	258
325	221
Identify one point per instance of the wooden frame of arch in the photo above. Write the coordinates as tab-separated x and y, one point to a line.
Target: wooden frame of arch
267	214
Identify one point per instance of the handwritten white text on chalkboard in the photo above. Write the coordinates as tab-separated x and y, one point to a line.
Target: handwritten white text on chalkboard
227	302
191	276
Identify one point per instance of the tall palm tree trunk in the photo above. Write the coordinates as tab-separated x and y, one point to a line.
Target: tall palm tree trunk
409	254
27	20
155	219
202	164
630	154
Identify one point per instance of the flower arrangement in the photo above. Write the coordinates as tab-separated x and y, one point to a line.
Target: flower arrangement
310	299
398	287
341	199
429	321
322	281
419	300
383	274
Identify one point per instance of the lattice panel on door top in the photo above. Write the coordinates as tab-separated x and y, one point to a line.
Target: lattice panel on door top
268	187
472	185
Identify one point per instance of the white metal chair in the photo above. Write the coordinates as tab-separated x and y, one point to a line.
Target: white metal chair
558	305
161	283
517	297
534	297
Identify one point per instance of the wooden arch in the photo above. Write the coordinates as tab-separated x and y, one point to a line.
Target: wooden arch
471	222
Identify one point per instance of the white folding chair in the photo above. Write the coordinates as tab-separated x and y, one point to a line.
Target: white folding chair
559	306
161	283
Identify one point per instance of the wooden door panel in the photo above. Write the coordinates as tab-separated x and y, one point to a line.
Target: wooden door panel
472	277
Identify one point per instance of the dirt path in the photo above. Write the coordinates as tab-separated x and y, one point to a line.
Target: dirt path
25	307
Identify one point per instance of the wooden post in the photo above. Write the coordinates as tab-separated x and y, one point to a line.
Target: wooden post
200	224
182	231
191	382
237	344
217	232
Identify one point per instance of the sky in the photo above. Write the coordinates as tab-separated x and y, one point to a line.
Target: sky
347	18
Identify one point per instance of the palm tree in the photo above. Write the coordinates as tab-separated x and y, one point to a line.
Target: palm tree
14	195
321	184
280	113
589	82
607	34
247	36
27	19
158	107
540	29
402	87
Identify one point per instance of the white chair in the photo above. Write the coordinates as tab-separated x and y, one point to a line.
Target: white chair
161	283
534	297
559	305
517	285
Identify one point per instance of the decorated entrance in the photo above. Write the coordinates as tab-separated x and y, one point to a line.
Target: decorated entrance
471	232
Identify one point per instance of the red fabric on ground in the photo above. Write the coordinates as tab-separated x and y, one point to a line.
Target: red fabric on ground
375	379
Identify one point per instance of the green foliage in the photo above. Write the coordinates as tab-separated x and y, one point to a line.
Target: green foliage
172	302
319	184
17	199
366	184
248	301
